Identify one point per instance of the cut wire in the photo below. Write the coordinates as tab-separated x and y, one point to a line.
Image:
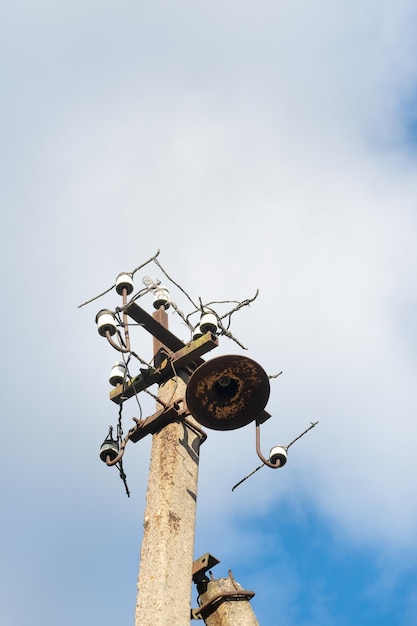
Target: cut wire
173	282
114	284
248	476
302	434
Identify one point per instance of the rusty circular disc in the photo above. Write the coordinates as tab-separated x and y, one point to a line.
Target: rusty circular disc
227	392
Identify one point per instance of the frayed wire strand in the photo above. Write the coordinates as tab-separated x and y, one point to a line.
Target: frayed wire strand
181	315
173	282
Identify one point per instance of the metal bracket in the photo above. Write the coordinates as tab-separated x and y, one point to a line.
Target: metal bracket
153	423
186	355
202	565
211	605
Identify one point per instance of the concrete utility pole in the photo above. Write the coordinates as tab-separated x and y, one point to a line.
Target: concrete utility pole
227	604
164	583
224	394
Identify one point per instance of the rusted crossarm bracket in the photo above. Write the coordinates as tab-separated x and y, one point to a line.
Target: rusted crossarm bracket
153	423
187	355
142	317
211	605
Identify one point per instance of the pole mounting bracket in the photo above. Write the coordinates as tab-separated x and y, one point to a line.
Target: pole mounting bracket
211	605
203	565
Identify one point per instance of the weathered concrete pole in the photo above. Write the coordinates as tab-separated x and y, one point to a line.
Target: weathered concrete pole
166	558
227	603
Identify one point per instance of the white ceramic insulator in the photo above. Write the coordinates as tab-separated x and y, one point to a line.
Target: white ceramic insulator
197	332
161	297
124	281
105	322
117	374
208	322
109	448
278	452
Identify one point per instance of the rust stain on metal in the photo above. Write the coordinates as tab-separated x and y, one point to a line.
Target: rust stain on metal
227	392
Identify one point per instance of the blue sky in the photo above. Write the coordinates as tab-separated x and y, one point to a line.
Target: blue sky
264	145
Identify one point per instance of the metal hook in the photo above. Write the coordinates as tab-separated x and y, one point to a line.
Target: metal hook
258	449
280	457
